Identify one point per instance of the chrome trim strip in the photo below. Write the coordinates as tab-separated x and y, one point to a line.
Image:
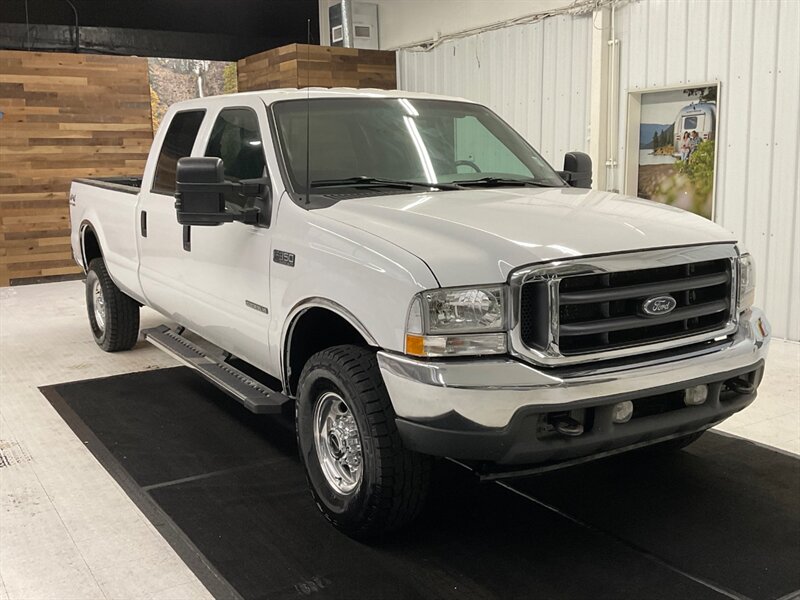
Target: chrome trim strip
553	272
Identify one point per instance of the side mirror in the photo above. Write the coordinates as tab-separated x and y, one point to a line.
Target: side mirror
200	189
577	170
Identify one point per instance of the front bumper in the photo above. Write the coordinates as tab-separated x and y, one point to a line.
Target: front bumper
497	409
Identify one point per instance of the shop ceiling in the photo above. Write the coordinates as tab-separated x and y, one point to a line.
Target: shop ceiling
207	29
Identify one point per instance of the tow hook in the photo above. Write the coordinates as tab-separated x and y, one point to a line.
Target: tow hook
566	425
740	386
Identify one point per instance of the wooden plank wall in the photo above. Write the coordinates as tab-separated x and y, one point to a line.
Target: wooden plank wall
65	116
300	65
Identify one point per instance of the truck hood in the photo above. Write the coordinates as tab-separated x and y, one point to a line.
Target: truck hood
479	236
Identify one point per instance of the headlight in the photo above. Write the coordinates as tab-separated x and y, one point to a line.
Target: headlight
457	321
747	282
460	310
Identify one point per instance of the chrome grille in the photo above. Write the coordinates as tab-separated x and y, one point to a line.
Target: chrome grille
604	311
572	311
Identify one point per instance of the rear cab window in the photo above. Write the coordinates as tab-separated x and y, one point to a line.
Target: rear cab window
178	143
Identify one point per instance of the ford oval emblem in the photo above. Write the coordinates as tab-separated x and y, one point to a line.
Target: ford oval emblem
659	305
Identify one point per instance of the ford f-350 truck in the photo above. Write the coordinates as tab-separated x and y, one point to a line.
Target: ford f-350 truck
406	277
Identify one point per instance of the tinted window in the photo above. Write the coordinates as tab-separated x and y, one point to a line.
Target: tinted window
419	140
236	140
690	122
177	144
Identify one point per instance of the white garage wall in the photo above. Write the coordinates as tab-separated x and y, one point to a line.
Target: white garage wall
534	76
753	48
406	22
537	77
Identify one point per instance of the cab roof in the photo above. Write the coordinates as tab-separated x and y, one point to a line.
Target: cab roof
270	96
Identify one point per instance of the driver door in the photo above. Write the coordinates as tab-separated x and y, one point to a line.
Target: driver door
227	267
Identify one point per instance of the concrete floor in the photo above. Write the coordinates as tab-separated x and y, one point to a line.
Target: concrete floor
66	528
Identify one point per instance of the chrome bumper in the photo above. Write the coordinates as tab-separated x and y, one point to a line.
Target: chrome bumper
488	392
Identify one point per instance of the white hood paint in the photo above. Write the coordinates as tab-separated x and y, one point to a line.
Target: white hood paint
479	236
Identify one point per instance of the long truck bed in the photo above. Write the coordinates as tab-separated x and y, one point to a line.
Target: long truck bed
129	185
112	201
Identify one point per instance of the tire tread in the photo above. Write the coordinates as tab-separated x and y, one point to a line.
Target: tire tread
122	313
404	476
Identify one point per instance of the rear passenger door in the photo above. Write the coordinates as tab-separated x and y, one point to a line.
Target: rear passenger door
161	256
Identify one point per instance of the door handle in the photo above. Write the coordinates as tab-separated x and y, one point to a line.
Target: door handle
143	222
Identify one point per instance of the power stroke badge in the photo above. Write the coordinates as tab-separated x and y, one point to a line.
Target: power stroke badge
257	307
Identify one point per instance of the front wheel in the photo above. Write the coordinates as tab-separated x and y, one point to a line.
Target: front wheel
113	316
363	479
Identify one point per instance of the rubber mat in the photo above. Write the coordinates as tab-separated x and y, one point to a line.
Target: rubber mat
226	489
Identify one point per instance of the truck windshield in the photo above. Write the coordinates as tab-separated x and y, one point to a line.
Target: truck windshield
370	142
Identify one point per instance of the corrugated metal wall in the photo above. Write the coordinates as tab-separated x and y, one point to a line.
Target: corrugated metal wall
538	78
535	76
752	47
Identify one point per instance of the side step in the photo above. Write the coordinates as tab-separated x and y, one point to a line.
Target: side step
254	395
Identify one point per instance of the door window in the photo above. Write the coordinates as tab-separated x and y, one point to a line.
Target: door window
235	139
177	144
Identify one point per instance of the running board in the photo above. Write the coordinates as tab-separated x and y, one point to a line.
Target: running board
254	395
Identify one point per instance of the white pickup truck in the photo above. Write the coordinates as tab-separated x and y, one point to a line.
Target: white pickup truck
429	287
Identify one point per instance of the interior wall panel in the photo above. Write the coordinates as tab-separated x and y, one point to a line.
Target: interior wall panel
64	116
535	76
301	65
751	47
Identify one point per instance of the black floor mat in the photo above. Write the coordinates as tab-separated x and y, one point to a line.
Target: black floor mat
721	519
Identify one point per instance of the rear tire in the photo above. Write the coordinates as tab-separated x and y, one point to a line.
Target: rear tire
113	316
364	481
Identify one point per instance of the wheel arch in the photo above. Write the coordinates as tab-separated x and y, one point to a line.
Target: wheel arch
332	325
90	244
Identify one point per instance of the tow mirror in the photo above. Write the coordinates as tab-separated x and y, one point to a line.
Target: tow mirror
577	170
200	190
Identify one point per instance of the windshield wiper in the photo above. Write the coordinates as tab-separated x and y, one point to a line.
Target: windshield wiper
501	181
364	181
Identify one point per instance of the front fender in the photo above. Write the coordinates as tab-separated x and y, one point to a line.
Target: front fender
363	278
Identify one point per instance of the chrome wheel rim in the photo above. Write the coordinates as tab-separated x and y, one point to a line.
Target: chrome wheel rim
99	305
338	443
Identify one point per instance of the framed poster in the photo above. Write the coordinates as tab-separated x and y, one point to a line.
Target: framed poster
671	146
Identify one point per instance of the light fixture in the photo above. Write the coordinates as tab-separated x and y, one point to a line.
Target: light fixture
622	411
695	395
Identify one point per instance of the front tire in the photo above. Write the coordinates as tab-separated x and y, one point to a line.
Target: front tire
113	316
364	481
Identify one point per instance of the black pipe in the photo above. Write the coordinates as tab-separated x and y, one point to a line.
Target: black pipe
77	27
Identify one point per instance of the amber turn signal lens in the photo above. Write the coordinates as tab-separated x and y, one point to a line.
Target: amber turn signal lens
415	345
